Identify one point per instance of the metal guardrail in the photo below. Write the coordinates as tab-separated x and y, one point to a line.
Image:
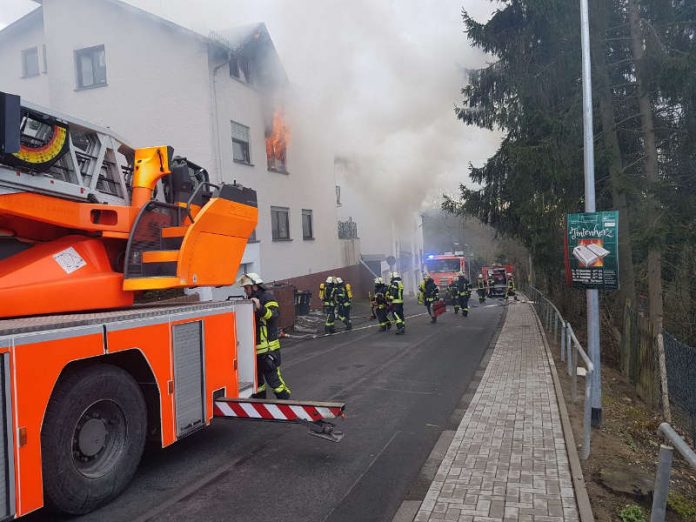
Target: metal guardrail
562	331
664	469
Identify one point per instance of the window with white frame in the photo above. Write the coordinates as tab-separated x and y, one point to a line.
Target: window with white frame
30	62
280	223
91	67
240	143
307	224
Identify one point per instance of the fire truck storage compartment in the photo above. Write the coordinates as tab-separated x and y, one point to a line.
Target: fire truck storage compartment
189	379
246	347
7	485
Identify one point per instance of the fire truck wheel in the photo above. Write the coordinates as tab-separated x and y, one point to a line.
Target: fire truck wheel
92	438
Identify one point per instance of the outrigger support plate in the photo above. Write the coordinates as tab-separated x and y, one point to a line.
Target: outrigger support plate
313	414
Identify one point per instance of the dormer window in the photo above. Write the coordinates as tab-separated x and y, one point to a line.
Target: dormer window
240	68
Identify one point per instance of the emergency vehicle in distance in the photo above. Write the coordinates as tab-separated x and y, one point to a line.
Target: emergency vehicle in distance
86	377
496	277
443	268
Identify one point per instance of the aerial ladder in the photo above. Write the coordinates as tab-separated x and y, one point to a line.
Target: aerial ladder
86	376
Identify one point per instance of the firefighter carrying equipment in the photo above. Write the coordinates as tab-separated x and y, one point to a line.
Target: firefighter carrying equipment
327	292
428	294
268	346
343	296
381	305
395	297
510	291
452	294
481	289
463	294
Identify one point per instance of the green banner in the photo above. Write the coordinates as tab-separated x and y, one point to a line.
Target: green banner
592	250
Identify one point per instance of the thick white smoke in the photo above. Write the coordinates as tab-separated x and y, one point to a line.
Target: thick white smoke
372	80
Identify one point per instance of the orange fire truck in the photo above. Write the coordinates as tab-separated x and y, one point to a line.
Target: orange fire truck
86	376
444	267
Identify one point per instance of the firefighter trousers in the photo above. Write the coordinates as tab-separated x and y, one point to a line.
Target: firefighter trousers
382	317
268	376
463	302
330	311
398	314
344	314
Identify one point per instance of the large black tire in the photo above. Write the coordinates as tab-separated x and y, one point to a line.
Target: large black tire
92	438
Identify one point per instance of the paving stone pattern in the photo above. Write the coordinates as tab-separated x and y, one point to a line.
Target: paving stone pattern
508	459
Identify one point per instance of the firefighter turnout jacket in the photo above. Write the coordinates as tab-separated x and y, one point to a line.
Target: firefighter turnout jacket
267	319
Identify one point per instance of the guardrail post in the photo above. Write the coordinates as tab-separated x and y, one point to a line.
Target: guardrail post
573	361
664	470
563	340
587	420
569	348
555	327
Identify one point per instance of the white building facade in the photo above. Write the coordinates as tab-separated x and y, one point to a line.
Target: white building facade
216	99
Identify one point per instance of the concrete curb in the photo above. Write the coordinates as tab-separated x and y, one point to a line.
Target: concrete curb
409	508
581	497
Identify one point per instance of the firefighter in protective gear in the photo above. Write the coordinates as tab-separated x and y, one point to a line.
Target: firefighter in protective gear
453	294
268	361
481	289
343	297
428	294
510	291
395	297
463	293
381	305
327	292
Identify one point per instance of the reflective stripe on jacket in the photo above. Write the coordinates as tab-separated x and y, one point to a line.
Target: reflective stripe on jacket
267	317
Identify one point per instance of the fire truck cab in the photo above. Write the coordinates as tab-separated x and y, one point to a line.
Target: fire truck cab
444	267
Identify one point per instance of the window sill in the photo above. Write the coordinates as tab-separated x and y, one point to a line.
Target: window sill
308	238
278	171
240	162
25	76
287	239
90	87
252	241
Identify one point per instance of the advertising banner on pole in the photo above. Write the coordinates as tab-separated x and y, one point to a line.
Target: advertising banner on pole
592	250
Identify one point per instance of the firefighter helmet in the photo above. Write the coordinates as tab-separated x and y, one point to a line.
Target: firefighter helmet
338	280
480	276
509	274
329	280
250	279
460	274
379	281
395	275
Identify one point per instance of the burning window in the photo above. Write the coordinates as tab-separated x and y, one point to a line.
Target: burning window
277	144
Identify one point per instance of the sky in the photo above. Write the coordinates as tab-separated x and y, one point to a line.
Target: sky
375	80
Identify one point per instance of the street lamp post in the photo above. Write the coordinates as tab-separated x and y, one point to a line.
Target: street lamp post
592	296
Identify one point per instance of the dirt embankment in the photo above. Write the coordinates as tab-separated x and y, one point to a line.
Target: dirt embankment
621	469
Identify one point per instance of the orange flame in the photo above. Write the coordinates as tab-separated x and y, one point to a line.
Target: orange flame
277	143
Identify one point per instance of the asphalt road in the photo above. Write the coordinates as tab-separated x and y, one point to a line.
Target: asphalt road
400	393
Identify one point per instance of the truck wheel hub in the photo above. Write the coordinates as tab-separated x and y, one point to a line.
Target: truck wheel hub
92	437
99	439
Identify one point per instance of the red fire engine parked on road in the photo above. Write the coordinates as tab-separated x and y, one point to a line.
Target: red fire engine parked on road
86	222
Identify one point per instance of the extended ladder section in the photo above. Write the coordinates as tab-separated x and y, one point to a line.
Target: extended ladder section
315	415
65	157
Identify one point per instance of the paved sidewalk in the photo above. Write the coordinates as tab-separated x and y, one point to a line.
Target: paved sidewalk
508	458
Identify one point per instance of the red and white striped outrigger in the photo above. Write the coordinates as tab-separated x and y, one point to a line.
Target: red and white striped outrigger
312	414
